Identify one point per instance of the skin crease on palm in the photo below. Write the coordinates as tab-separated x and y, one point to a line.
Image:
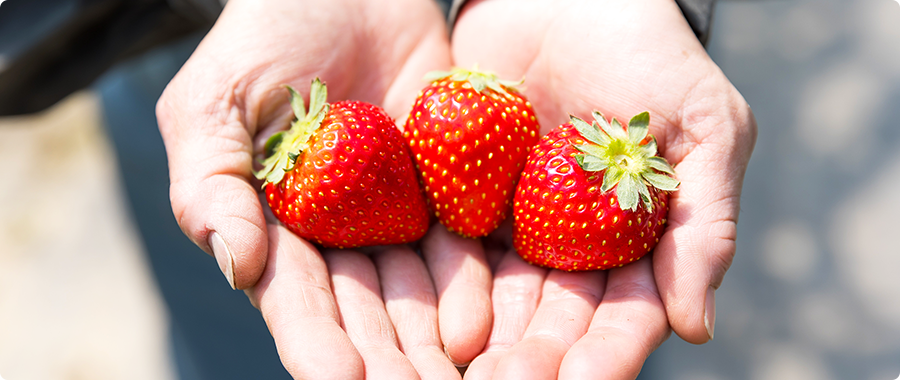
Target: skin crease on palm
340	314
621	58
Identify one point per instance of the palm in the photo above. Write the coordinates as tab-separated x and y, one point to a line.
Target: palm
622	58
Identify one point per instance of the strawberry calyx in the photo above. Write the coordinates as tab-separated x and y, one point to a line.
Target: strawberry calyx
627	154
283	148
478	79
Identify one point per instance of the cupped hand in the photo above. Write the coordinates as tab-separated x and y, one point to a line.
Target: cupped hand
327	312
620	57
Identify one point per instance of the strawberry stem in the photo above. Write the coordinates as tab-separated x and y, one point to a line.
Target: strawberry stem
283	148
478	79
627	156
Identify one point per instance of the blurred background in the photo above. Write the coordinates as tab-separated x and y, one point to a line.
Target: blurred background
813	292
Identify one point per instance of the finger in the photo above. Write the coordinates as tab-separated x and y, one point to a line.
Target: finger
358	297
699	243
629	324
209	152
515	295
462	279
411	303
295	298
568	301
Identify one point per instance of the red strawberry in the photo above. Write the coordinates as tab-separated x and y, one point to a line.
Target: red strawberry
470	134
592	197
342	175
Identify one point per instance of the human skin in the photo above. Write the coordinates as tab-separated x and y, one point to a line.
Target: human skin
333	314
366	318
620	57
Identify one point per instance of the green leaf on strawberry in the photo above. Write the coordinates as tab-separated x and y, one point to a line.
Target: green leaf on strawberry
478	79
283	147
627	156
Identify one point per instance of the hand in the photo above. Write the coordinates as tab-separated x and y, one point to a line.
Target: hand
571	325
620	57
350	316
219	110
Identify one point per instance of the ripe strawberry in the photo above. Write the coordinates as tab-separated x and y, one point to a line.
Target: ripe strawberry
470	134
342	176
584	202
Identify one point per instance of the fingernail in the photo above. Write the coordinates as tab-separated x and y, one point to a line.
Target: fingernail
223	256
709	319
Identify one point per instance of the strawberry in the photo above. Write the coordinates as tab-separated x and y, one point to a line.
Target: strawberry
470	134
592	196
342	176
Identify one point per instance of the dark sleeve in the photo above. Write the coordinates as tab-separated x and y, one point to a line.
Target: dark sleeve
51	48
697	12
699	15
453	12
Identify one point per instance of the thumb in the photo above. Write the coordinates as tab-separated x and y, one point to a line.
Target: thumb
697	249
210	162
